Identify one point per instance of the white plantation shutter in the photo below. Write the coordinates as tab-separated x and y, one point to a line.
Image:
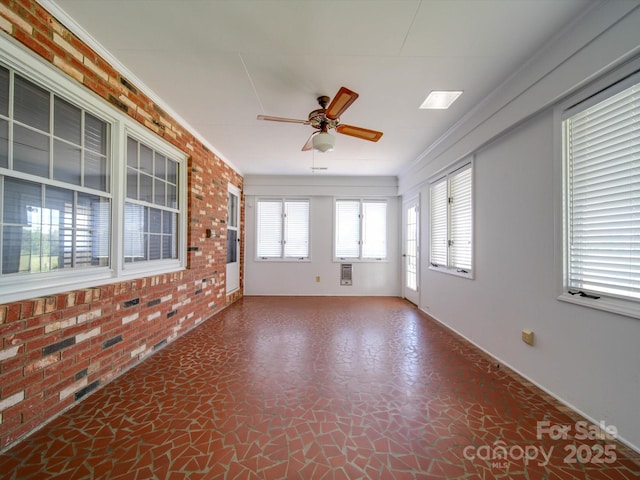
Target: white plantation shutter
347	228
296	229
602	151
269	242
461	222
374	230
438	223
451	220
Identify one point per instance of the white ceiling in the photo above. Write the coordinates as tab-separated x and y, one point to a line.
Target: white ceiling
219	63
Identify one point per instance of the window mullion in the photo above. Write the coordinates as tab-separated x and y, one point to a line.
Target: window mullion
283	229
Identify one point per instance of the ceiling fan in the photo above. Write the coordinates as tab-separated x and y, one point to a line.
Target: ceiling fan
327	117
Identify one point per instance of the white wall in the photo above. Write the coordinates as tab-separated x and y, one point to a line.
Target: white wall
587	358
299	277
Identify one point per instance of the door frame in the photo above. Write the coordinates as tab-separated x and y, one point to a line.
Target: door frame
407	292
232	279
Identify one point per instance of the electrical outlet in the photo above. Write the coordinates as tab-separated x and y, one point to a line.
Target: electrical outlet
527	337
318	279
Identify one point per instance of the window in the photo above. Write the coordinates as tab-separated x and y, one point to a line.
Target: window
283	229
87	195
601	146
451	221
54	182
151	208
360	229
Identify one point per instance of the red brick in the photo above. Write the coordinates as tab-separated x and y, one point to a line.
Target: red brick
22	383
204	170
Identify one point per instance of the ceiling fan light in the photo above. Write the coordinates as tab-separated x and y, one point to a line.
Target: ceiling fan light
323	142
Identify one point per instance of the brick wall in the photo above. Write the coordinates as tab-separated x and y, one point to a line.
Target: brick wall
56	350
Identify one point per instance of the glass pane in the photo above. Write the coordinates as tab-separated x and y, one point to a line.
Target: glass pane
168	248
146	188
296	229
232	246
30	152
92	223
66	162
169	223
31	104
438	220
95	134
134	243
172	171
146	159
67	121
461	222
57	229
100	217
160	166
132	153
269	229
4	143
374	230
155	220
22	204
155	247
4	92
232	210
159	196
132	183
172	198
347	229
95	171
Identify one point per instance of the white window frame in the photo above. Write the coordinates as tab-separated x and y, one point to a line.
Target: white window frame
20	287
598	91
360	258
283	229
446	176
151	267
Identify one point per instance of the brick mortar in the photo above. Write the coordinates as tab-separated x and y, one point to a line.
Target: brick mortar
78	337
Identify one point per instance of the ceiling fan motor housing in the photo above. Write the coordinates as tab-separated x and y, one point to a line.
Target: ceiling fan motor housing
317	119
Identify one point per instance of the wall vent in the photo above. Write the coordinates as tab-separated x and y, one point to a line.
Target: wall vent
346	273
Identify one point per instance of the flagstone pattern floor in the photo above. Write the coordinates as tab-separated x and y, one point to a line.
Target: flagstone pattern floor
315	388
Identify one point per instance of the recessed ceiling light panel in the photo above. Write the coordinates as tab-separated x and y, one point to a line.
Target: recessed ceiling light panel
440	99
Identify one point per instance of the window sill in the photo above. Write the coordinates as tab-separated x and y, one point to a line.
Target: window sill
360	260
628	308
282	260
23	287
450	271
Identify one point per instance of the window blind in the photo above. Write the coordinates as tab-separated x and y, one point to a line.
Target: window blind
347	228
602	149
461	222
438	222
283	228
374	228
297	229
269	244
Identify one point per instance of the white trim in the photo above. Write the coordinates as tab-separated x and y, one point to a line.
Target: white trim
609	84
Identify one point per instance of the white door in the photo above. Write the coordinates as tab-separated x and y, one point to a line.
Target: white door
410	249
233	239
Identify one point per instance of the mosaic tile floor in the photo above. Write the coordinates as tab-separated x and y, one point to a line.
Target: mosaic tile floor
315	388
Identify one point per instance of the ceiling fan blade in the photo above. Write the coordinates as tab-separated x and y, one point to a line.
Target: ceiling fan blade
309	144
363	133
340	103
282	119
